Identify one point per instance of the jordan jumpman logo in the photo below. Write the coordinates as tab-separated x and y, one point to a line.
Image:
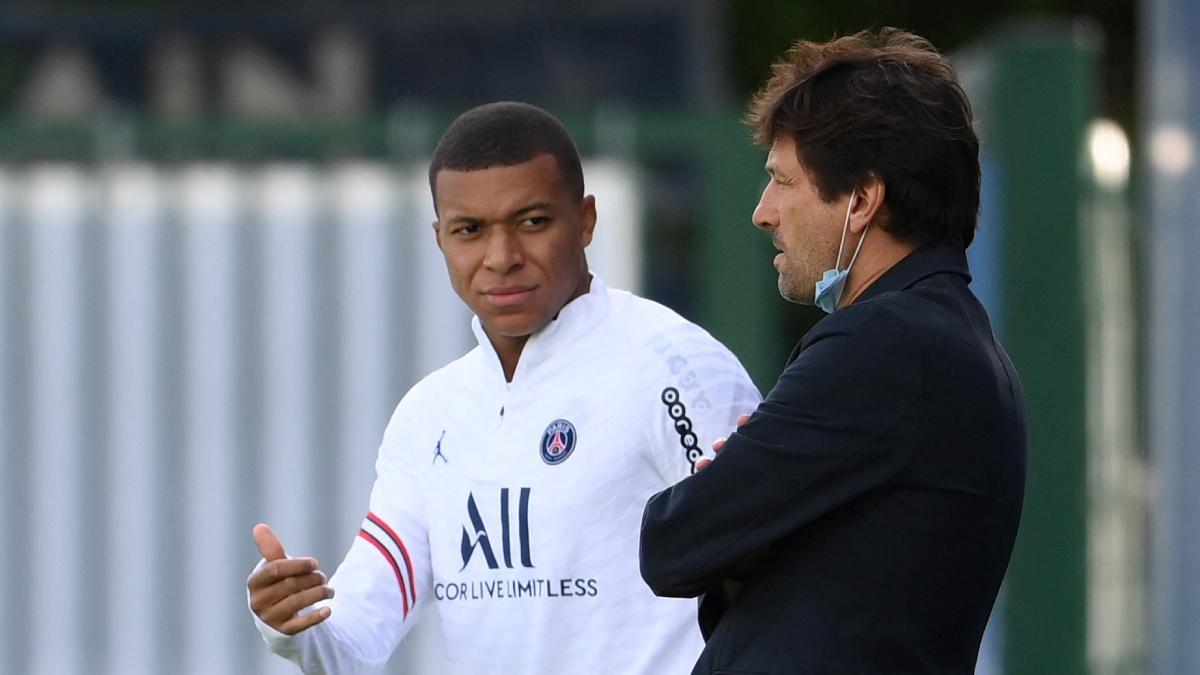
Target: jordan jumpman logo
437	452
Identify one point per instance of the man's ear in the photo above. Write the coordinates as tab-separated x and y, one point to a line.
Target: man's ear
869	205
587	218
437	234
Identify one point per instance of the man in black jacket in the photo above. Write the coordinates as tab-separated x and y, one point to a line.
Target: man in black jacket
862	519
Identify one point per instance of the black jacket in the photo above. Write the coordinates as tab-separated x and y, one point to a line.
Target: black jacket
869	507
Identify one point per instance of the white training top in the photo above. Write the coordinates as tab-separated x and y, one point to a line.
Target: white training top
516	507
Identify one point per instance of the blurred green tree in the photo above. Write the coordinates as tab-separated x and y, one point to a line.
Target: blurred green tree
760	30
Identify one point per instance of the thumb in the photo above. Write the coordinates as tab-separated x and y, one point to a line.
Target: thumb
268	544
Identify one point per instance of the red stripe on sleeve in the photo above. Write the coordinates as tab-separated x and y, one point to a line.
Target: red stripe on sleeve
391	561
403	550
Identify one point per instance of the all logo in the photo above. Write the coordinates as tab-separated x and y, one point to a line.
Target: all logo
558	441
477	539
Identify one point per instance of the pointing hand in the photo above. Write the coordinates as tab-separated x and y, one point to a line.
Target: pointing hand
284	586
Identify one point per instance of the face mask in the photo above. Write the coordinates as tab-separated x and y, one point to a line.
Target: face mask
833	282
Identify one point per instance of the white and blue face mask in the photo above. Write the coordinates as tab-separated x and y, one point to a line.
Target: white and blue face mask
833	282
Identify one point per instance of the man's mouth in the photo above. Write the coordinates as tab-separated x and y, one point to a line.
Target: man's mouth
509	295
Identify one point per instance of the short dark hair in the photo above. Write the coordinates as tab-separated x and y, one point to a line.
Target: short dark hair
883	103
505	133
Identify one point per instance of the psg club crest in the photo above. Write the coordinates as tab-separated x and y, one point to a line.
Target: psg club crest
557	442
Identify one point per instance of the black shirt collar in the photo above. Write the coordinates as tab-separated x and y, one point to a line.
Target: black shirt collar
919	264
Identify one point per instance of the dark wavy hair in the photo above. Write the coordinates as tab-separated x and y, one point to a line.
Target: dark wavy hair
505	133
883	103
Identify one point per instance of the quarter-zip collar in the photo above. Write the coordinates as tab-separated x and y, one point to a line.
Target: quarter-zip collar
573	322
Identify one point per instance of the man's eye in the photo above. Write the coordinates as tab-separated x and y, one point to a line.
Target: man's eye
536	221
468	229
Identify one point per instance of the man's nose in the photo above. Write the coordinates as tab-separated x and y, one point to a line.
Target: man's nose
504	252
766	214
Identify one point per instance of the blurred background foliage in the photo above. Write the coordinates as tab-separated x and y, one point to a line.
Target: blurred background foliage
760	30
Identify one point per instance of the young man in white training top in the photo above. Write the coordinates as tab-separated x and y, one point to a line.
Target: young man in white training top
510	483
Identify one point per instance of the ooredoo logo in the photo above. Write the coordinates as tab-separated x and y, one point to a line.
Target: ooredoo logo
683	425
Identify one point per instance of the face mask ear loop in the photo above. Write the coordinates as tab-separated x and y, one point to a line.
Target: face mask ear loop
845	230
860	243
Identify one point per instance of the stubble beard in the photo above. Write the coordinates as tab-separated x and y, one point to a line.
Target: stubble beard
794	290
